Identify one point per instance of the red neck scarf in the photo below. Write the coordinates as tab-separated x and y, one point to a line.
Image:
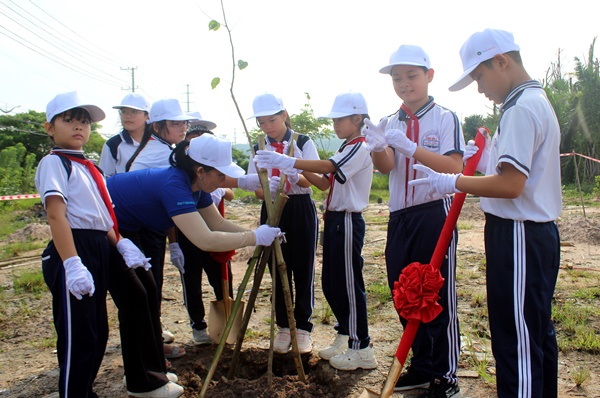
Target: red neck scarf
412	133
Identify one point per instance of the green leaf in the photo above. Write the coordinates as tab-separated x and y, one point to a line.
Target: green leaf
214	25
215	82
242	64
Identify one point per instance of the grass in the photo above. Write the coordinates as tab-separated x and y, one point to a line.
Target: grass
29	282
576	328
379	293
580	375
325	314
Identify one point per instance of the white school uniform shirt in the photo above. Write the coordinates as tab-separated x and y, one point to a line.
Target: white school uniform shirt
155	154
85	207
528	137
352	179
439	132
309	151
125	151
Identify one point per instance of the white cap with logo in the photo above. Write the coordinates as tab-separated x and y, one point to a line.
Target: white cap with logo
65	101
167	109
480	47
407	54
347	104
134	101
266	105
213	151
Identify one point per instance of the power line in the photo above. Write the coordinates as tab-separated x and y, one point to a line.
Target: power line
53	45
73	67
115	61
68	41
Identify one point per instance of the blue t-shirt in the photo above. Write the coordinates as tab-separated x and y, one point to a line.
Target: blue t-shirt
150	198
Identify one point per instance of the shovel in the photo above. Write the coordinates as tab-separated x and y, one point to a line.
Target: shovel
219	312
436	261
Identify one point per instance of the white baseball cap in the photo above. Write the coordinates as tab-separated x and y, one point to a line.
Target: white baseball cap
167	109
266	105
480	47
347	104
200	123
65	101
134	101
213	151
407	54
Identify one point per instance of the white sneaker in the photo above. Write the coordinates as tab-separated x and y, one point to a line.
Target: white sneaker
304	341
340	344
170	376
168	337
354	359
169	390
200	337
282	342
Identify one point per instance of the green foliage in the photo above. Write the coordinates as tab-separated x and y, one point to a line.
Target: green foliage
319	130
473	122
26	129
240	158
17	170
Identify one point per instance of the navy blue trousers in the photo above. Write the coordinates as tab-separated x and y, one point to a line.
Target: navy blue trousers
412	236
300	223
342	278
523	259
81	325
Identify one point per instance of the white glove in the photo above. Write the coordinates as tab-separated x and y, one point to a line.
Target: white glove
293	175
471	149
439	183
78	278
375	136
297	151
217	195
398	140
265	235
250	182
272	160
273	186
177	258
132	255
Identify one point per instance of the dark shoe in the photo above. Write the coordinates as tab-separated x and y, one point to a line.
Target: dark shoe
440	388
412	379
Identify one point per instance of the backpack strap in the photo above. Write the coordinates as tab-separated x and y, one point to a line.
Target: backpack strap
66	164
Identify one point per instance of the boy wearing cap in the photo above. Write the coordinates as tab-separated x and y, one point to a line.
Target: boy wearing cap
75	263
348	176
119	149
424	132
521	198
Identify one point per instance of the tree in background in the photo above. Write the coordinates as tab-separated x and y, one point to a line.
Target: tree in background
23	143
318	129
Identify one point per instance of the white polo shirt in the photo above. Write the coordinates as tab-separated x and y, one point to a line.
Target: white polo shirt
155	154
439	132
309	151
353	178
528	137
85	207
125	151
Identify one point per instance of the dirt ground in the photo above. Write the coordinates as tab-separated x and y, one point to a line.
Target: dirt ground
28	366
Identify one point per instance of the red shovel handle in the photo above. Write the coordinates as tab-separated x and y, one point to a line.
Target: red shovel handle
459	199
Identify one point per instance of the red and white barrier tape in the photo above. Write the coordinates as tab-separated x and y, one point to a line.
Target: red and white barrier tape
26	196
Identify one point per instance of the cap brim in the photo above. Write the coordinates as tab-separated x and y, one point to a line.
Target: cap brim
96	114
232	170
335	115
264	113
388	69
207	124
130	107
464	80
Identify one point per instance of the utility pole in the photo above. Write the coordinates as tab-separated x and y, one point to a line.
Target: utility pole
187	96
133	87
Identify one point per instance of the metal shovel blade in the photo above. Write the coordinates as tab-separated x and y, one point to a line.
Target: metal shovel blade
217	318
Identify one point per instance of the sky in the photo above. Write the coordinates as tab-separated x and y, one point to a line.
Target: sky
320	47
